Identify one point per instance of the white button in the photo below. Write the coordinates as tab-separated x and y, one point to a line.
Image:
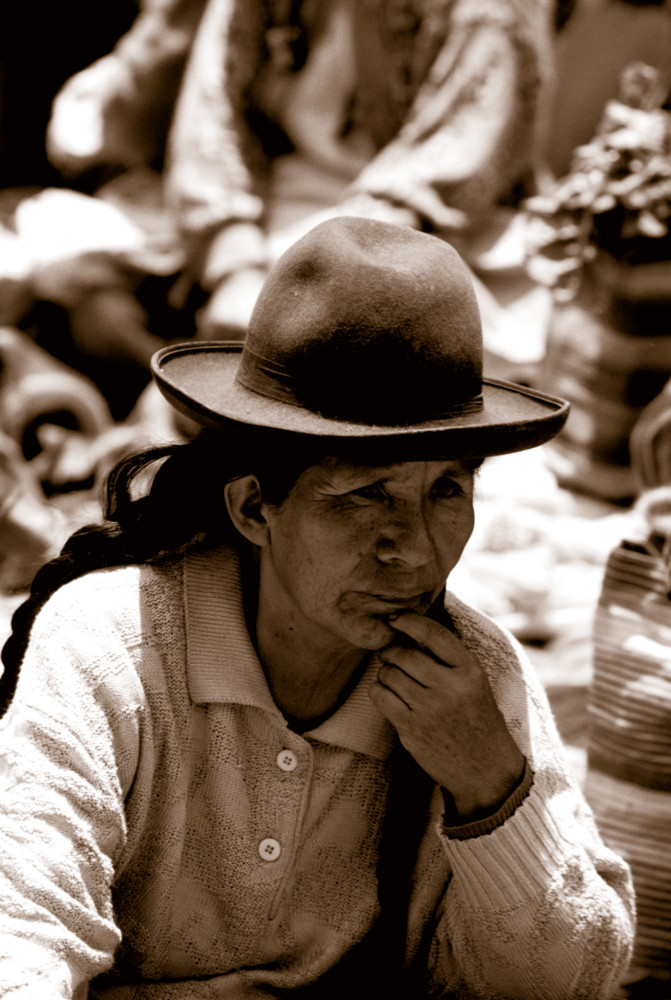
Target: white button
269	849
287	760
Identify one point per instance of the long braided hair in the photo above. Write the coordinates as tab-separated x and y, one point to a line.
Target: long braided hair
181	502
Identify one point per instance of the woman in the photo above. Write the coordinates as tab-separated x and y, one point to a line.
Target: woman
255	748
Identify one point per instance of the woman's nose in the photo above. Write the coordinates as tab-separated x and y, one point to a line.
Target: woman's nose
406	538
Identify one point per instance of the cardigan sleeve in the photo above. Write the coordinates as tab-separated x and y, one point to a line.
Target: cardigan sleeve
151	57
68	746
215	163
538	906
126	98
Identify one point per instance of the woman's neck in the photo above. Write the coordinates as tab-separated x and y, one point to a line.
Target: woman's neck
307	683
309	674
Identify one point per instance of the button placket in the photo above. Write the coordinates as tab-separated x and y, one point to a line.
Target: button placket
288	761
270	848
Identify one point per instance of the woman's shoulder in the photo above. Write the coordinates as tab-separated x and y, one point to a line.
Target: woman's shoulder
118	597
116	631
496	647
471	622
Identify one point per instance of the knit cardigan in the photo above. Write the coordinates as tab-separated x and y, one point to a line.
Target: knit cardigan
164	834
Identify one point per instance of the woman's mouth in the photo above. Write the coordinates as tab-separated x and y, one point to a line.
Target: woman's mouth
386	604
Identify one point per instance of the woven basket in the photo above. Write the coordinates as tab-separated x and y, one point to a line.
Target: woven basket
628	781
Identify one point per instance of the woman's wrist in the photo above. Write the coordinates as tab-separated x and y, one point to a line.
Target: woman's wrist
482	820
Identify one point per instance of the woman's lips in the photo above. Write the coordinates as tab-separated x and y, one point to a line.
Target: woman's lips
385	604
395	599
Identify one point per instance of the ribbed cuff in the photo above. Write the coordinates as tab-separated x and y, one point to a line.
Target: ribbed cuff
518	859
480	827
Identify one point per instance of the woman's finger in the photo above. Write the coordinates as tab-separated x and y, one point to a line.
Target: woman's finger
432	637
402	684
389	704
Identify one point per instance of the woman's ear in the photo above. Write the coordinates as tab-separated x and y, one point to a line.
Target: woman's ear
244	505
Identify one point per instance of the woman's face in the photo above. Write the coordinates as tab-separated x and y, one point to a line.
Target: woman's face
352	544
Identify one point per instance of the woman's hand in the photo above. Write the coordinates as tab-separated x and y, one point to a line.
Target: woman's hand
438	698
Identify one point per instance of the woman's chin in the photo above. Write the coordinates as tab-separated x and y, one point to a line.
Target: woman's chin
376	633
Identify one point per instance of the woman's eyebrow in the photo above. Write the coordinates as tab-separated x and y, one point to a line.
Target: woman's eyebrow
353	482
461	470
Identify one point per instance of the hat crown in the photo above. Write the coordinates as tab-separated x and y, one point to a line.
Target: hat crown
365	321
366	339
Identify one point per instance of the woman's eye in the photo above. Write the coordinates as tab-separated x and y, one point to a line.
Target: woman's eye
447	488
372	492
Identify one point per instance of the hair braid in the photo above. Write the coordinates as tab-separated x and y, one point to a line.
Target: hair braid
183	503
113	543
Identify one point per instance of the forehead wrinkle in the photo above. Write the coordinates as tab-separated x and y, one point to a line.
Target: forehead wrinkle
336	475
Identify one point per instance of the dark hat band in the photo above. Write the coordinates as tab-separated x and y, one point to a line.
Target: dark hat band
273	380
268	378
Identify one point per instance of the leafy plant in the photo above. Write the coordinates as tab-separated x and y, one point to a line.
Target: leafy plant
616	196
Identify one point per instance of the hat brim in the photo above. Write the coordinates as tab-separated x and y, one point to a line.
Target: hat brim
199	379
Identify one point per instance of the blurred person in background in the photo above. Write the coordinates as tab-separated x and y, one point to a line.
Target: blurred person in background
425	114
419	113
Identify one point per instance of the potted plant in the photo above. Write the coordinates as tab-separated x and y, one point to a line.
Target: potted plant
600	237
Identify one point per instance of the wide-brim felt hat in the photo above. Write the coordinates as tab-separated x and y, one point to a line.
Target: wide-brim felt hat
366	337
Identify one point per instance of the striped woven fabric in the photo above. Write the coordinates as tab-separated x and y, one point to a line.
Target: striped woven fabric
628	781
608	352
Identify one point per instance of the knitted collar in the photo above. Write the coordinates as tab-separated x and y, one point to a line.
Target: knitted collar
223	667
